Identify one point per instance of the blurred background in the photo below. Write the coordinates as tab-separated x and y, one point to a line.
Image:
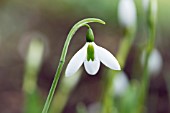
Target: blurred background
49	21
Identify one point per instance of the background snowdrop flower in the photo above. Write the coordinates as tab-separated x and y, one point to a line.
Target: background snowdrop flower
91	55
120	83
127	13
155	61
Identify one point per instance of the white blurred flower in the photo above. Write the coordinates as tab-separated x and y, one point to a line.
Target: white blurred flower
155	61
153	5
145	4
91	55
26	40
127	13
120	83
154	8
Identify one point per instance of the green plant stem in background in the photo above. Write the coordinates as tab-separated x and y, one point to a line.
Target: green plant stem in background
66	86
145	76
81	23
108	104
151	19
126	43
125	46
32	65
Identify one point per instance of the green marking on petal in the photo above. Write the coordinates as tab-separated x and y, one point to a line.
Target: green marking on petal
90	52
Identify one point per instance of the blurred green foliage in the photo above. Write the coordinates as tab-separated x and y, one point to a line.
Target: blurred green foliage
15	19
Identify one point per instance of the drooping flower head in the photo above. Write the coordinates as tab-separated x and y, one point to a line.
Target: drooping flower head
91	55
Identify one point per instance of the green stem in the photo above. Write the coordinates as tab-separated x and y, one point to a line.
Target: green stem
125	46
151	19
63	55
32	66
64	89
122	54
145	76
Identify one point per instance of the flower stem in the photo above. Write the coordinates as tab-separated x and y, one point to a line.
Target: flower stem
108	104
32	66
150	45
65	87
63	55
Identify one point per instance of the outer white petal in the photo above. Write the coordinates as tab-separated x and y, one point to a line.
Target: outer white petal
92	67
106	58
76	61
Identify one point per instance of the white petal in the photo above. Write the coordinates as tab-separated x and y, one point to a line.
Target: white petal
76	61
107	58
92	67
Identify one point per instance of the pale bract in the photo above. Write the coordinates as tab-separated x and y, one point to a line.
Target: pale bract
91	67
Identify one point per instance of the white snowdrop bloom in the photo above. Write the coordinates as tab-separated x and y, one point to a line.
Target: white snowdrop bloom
127	13
120	83
155	62
91	55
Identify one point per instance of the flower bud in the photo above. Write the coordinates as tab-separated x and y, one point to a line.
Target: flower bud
145	4
120	83
150	3
153	9
155	62
127	13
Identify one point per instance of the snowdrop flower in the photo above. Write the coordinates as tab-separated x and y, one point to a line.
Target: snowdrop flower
155	61
91	55
120	83
127	13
